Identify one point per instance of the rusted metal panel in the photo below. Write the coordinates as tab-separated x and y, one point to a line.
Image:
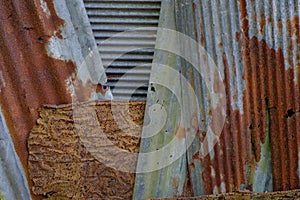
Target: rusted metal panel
44	59
255	45
294	194
13	182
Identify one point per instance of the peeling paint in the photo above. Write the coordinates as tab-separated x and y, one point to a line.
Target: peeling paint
254	44
30	77
45	7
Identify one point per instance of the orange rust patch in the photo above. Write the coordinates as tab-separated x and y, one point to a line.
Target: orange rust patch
32	79
237	36
295	26
196	156
180	133
271	99
194	122
262	23
270	91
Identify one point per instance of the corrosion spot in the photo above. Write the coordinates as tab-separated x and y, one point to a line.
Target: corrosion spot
180	133
196	156
290	113
237	36
40	39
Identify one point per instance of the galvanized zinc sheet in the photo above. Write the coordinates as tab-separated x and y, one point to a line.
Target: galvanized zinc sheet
119	26
13	183
255	45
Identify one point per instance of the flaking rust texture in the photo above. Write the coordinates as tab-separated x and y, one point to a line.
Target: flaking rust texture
294	194
29	77
67	145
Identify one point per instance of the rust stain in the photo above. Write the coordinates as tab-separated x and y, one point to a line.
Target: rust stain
174	184
194	122
196	156
247	195
270	89
270	92
32	79
180	133
237	36
294	26
262	23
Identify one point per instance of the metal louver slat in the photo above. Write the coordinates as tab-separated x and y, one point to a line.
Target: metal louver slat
128	72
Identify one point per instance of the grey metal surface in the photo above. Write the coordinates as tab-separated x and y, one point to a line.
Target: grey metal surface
109	18
13	183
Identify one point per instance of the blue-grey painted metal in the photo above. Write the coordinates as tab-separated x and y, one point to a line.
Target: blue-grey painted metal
78	44
171	180
13	182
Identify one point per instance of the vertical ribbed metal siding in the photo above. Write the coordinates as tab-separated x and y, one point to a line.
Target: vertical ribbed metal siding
255	45
109	18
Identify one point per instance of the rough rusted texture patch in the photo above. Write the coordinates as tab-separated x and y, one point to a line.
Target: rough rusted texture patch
29	78
64	150
294	194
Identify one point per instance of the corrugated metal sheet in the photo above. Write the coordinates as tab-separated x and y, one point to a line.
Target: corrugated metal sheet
294	194
13	183
43	60
255	45
127	56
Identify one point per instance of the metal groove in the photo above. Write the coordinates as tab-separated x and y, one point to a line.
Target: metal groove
109	18
256	46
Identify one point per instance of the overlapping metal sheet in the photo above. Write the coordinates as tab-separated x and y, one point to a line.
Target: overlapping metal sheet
255	45
13	182
44	59
128	56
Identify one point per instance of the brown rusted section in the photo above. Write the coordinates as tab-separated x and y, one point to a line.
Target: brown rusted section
83	91
29	77
294	27
271	105
262	23
228	163
294	194
237	36
180	133
67	150
271	90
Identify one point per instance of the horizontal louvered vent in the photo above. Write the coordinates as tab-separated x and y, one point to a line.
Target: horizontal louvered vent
128	75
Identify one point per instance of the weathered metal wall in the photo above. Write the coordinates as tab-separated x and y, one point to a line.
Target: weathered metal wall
294	194
255	45
13	182
47	56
